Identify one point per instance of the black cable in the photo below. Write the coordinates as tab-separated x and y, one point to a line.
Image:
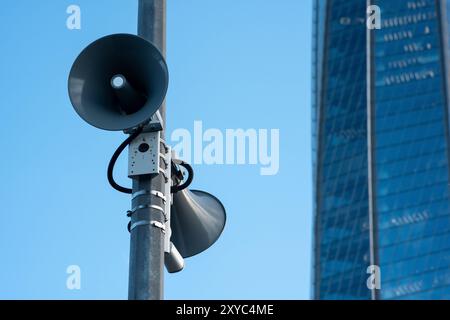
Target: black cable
114	158
188	181
122	147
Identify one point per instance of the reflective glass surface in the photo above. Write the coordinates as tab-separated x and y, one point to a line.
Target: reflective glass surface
342	239
409	155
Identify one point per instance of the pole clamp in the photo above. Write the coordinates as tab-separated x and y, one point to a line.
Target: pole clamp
155	193
153	223
147	206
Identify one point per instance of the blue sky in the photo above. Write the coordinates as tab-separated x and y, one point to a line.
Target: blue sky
233	64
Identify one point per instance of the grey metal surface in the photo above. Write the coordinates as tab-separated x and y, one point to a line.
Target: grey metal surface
146	243
371	143
152	26
146	270
90	90
173	260
197	220
143	154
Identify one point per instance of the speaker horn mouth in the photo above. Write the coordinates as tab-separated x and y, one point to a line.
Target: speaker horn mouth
118	82
197	220
130	99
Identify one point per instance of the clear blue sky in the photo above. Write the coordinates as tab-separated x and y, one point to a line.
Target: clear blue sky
233	64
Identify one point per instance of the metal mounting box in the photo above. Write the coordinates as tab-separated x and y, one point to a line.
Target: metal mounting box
143	154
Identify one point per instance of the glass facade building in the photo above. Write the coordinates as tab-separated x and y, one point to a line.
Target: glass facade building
381	149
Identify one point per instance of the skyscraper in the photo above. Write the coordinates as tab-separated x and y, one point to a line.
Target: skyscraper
381	149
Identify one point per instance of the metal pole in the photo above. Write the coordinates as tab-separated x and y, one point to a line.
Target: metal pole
146	273
152	27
